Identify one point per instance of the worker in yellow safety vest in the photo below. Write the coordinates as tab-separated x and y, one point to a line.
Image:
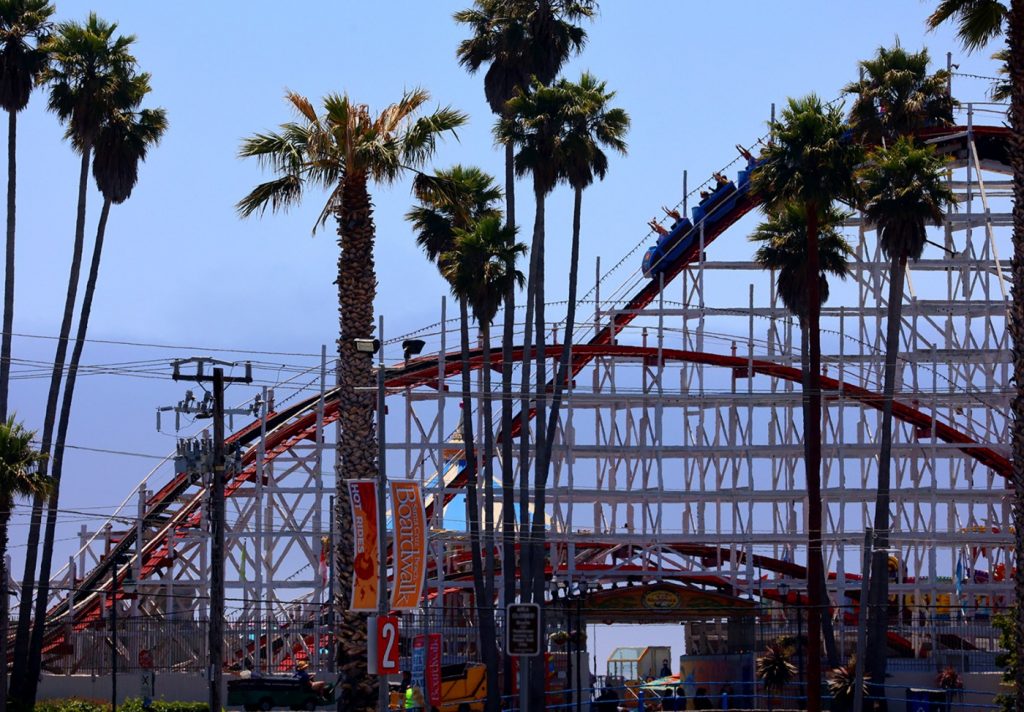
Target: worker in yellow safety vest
414	699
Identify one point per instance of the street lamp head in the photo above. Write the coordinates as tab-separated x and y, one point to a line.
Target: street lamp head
412	347
367	346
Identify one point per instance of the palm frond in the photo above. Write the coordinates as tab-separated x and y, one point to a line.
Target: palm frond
90	71
25	29
905	191
278	194
451	199
809	159
303	106
420	140
19	460
977	21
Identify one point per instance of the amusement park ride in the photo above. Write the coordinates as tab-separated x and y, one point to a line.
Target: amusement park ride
678	456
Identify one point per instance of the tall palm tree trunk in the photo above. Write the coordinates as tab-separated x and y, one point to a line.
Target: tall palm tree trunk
827	629
1015	41
538	533
357	444
525	549
19	682
510	185
538	666
46	559
562	375
6	505
812	428
484	608
490	649
488	415
508	553
5	340
526	403
878	594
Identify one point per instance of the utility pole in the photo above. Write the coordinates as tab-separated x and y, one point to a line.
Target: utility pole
215	465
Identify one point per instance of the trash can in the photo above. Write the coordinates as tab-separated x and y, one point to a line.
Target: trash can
925	700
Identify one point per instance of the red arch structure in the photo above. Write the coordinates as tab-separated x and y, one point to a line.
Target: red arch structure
298	422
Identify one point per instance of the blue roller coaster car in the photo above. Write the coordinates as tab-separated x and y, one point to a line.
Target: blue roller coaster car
678	229
712	207
652	260
684	233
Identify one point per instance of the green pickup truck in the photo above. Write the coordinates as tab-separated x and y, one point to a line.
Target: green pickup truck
267	693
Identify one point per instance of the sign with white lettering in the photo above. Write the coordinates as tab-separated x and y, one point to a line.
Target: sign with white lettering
410	549
387	645
523	625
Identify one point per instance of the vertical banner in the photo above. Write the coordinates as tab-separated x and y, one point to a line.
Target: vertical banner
419	660
433	669
410	551
363	495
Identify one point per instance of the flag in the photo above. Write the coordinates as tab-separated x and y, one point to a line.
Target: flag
241	568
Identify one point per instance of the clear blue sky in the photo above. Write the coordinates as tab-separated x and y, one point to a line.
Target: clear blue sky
180	268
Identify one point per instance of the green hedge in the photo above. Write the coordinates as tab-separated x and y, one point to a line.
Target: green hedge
135	705
75	704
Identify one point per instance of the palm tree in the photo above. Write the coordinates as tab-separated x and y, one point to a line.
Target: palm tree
453	200
588	126
775	670
896	96
783	249
89	65
534	122
809	162
19	477
842	685
904	190
343	150
458	198
121	144
518	40
479	268
24	32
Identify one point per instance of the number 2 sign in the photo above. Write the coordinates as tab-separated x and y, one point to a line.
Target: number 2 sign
387	645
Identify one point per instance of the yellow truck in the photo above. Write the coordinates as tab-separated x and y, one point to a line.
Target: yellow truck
463	689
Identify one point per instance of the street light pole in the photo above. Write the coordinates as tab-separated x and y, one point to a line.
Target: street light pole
382	493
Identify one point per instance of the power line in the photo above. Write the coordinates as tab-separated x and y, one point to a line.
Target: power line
176	347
